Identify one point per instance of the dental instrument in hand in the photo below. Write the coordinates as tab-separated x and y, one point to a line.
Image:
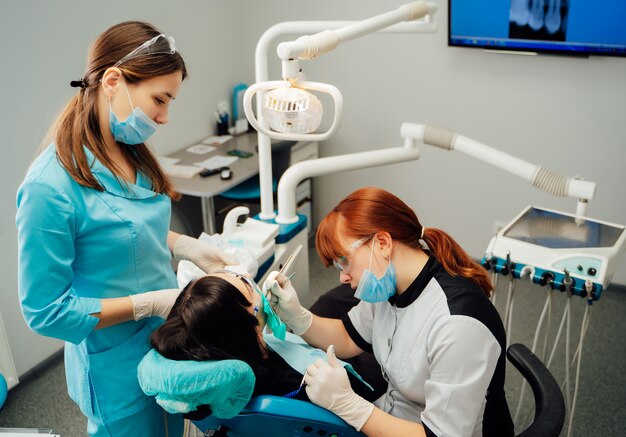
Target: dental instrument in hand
291	260
294	393
286	267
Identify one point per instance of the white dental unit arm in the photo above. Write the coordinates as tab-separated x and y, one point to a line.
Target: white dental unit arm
562	251
567	252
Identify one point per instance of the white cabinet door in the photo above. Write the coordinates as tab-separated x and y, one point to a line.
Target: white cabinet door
7	367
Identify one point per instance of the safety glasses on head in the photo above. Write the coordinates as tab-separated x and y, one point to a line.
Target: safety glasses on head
343	263
160	44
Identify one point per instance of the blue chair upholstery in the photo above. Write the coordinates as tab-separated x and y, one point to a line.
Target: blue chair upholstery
3	390
276	416
249	190
217	394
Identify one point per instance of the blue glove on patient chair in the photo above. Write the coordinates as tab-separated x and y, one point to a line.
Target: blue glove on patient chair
182	386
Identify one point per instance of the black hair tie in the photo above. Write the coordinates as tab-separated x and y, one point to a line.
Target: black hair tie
78	83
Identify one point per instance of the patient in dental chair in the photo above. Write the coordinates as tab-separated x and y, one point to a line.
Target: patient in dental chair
220	316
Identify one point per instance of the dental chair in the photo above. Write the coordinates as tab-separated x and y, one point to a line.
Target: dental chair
277	416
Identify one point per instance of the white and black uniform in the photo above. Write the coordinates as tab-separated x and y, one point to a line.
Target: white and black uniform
441	345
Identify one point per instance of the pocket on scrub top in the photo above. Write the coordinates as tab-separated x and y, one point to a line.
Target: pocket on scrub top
77	378
113	376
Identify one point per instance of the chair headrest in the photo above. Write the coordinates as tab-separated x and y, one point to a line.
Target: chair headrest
181	386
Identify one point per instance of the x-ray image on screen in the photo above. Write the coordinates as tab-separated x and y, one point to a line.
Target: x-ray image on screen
569	27
544	20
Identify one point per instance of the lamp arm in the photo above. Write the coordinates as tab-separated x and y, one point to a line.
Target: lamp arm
261	71
542	178
312	46
333	164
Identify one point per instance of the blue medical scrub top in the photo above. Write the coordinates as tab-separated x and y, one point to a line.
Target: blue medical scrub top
77	245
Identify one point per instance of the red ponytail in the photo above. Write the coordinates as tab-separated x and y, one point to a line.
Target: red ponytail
370	210
455	260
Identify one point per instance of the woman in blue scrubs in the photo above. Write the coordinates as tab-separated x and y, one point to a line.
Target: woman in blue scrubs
93	230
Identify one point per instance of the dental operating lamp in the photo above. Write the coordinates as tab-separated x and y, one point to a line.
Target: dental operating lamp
414	17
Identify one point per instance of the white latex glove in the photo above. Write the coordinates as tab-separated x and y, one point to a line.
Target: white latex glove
328	386
154	303
284	300
207	257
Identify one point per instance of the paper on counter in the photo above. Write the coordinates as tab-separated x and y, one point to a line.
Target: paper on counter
217	140
200	149
216	162
165	161
182	171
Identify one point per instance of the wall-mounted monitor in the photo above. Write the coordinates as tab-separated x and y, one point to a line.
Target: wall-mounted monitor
573	27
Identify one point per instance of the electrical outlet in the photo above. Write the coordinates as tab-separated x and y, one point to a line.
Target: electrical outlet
498	225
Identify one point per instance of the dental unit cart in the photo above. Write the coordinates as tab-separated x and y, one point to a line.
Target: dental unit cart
562	251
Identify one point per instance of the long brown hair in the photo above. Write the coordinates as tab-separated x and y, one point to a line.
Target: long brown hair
78	124
370	210
210	321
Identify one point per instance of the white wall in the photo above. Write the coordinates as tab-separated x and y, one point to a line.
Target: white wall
45	45
564	113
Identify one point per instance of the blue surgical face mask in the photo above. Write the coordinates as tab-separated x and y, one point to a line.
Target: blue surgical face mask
373	289
137	127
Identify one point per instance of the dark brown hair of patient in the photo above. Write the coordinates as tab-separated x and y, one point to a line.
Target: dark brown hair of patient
210	321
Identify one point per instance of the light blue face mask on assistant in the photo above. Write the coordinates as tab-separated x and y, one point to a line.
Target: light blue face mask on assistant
372	289
137	127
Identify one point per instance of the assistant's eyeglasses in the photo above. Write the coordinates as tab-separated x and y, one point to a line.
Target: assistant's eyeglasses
160	44
343	264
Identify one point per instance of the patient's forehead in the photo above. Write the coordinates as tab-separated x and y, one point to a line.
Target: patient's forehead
236	281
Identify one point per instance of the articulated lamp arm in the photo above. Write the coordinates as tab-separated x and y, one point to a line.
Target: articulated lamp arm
346	30
415	134
312	46
540	177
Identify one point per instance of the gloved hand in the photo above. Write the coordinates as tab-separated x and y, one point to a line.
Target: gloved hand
284	300
328	386
154	303
207	257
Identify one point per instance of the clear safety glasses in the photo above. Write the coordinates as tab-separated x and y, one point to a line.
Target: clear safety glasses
160	44
343	263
